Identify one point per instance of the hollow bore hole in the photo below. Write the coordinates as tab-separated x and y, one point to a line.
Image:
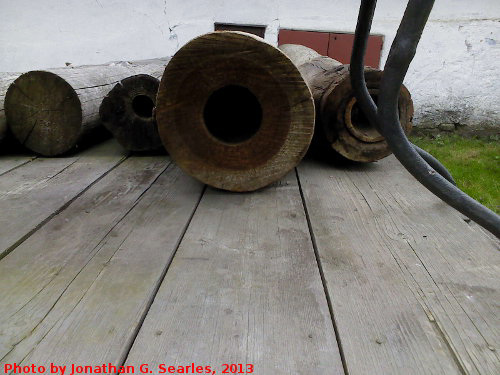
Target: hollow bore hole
232	114
143	106
359	119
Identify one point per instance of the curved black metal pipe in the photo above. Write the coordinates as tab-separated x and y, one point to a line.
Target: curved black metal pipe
357	66
401	54
434	163
357	69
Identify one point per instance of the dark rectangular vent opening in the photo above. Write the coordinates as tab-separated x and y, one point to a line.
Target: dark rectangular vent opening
251	29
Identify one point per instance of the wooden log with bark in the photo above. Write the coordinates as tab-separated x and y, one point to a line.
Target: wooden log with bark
51	111
233	111
128	110
5	81
340	123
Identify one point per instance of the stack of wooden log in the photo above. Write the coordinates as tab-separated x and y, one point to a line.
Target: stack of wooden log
50	112
232	110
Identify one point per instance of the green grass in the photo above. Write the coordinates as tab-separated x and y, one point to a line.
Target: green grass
474	164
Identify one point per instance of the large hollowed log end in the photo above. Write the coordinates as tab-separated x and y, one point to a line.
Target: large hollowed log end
44	113
234	112
347	128
127	112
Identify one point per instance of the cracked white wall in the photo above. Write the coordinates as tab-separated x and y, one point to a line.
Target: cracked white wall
454	78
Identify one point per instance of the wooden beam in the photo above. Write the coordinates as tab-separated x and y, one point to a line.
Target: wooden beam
128	110
233	111
244	287
45	278
11	162
33	193
51	111
340	123
82	302
413	286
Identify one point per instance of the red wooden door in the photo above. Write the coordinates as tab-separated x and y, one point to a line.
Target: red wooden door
335	45
340	47
315	40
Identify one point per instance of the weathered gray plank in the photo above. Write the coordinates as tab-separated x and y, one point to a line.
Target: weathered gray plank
96	318
11	162
38	280
455	264
244	287
33	193
414	289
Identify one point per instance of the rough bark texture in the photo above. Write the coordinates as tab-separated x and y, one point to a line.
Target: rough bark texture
234	112
128	110
5	80
50	111
340	123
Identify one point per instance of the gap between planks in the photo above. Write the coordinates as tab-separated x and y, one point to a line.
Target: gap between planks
322	274
405	232
9	163
40	261
34	193
124	357
244	287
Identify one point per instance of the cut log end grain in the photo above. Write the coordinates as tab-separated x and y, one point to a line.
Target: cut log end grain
127	112
3	126
339	118
6	80
344	124
53	111
44	112
234	112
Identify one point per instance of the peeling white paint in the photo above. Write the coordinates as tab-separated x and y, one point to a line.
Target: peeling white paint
454	78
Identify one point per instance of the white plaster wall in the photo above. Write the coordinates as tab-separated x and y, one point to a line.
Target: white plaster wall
454	79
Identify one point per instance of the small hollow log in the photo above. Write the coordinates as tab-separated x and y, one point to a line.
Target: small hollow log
233	111
5	81
339	120
51	111
128	110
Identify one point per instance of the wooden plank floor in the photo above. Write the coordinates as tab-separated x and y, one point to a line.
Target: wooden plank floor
34	192
109	258
9	163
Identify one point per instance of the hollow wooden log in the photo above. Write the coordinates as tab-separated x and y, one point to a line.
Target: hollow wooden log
233	111
51	111
5	81
128	110
339	121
